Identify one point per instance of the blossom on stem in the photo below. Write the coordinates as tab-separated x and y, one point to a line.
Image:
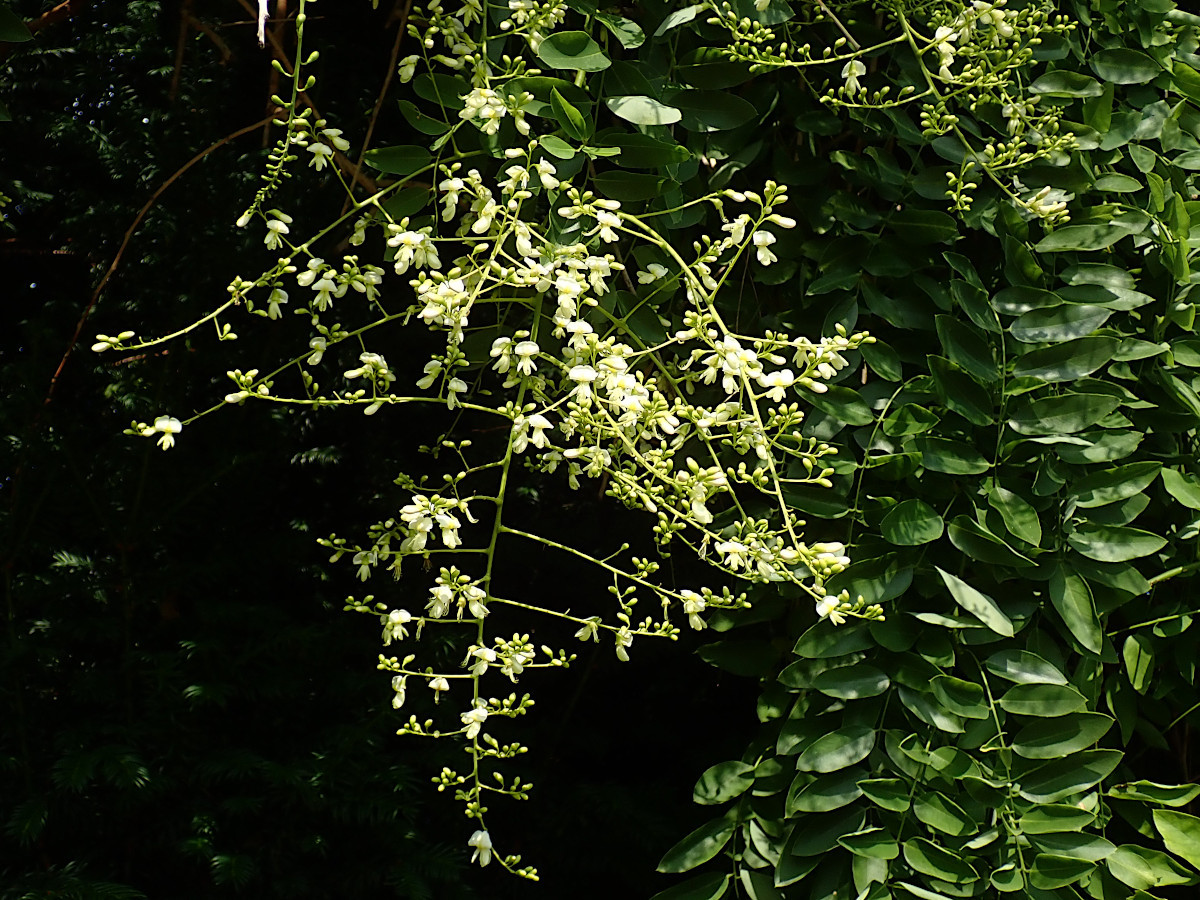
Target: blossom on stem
473	719
482	842
393	625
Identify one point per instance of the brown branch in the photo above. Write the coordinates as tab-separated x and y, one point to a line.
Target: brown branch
60	13
180	47
402	18
125	243
207	30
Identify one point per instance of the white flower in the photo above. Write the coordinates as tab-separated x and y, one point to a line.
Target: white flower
693	605
168	427
476	601
276	228
653	272
624	639
393	625
525	352
827	607
590	629
851	73
398	685
607	222
278	297
539	424
408	68
319	345
439	604
776	383
482	842
321	154
438	685
484	657
763	240
474	719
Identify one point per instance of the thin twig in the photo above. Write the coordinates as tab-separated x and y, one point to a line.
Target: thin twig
125	243
343	162
838	22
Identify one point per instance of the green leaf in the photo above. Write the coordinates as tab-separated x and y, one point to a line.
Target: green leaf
643	110
951	457
1122	66
711	110
1111	485
1187	79
1180	833
843	404
825	641
628	32
418	120
1065	414
573	50
1053	818
1019	517
872	843
1118	184
700	846
13	29
445	90
911	523
927	708
1081	237
640	151
1072	597
679	17
978	604
825	794
1050	871
403	161
852	682
1055	738
1024	667
837	750
1059	323
1183	486
1044	700
963	698
978	543
929	859
572	121
1020	299
1064	83
1069	360
1068	776
1138	655
924	226
711	886
1153	792
943	814
1114	543
631	186
723	782
966	348
889	793
960	392
1142	868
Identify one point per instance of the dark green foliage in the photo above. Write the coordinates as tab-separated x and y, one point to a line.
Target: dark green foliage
1017	480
